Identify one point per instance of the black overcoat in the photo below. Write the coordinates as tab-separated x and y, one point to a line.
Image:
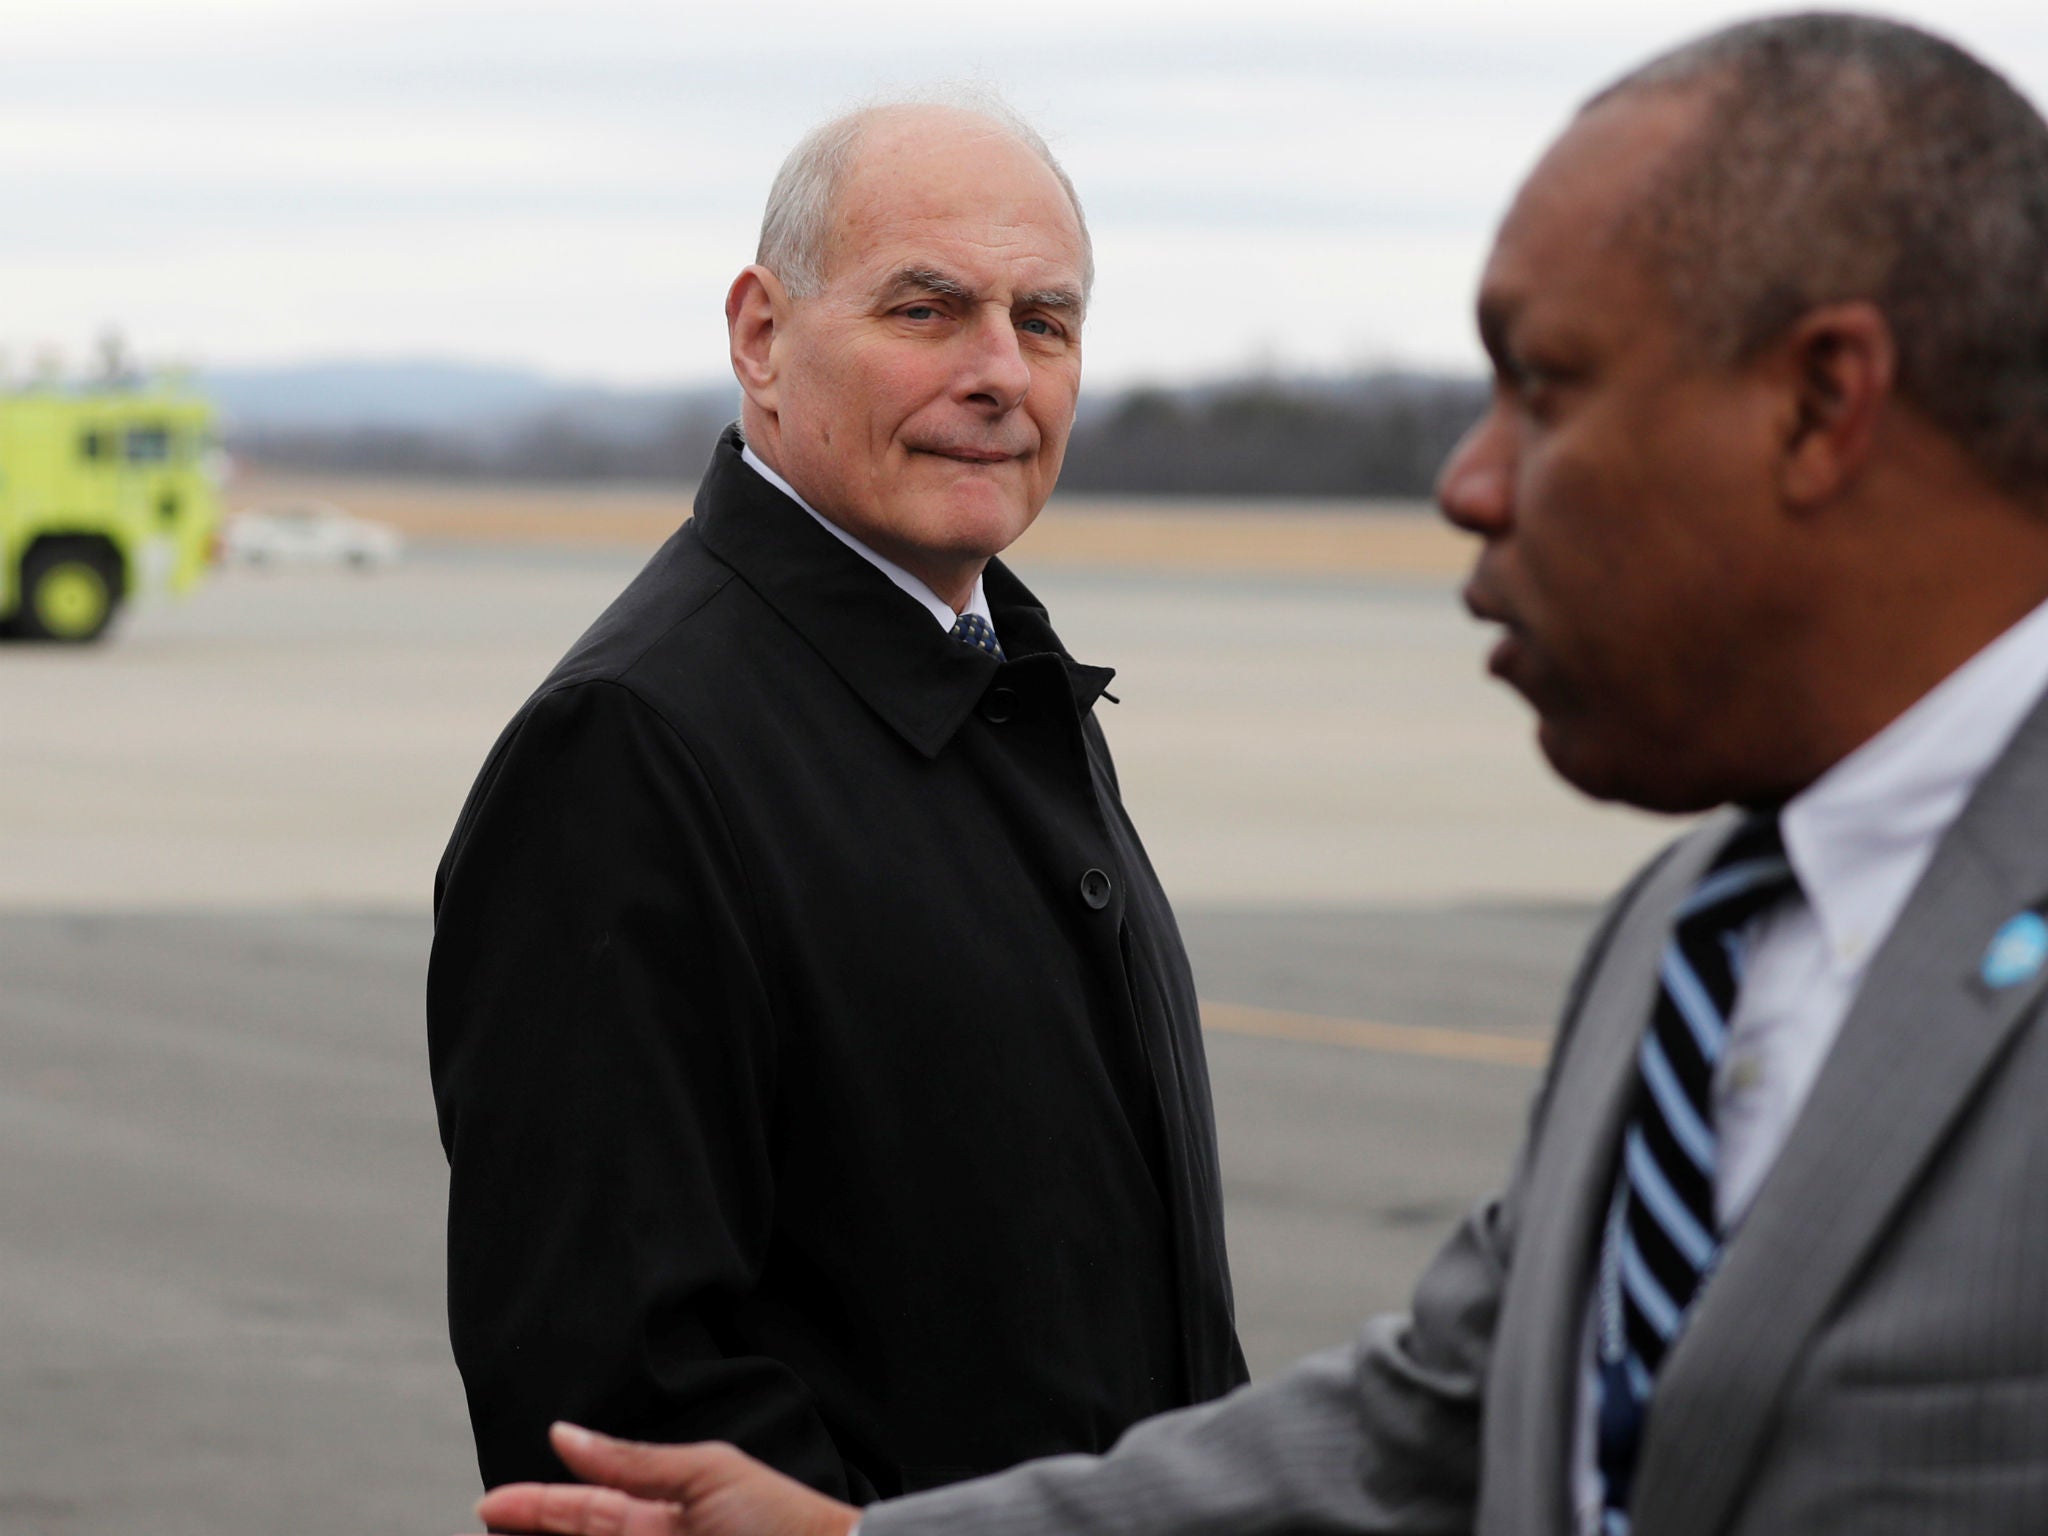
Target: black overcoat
816	1056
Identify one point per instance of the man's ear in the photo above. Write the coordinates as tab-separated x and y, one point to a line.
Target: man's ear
1842	364
755	308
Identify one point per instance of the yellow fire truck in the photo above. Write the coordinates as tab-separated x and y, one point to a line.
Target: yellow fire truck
104	493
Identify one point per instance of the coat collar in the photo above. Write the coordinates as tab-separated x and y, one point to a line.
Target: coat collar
880	641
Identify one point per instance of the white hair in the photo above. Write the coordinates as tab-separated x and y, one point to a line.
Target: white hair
796	228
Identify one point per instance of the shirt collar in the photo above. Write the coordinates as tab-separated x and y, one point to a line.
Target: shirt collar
938	607
916	676
1860	836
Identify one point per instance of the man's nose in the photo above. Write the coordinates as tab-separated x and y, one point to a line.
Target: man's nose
995	374
1475	488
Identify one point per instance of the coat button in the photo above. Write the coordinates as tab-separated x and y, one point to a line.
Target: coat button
1095	889
998	705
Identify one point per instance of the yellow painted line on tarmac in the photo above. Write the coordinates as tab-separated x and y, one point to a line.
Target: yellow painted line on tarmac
1367	1035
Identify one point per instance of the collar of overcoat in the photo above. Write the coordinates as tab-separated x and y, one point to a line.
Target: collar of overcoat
879	640
1919	1040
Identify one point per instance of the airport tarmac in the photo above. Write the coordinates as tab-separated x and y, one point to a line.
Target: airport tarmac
220	1188
307	736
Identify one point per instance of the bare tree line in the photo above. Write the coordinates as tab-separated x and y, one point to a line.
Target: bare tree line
1381	435
556	445
1378	435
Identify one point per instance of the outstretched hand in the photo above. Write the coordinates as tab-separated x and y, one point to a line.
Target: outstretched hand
634	1489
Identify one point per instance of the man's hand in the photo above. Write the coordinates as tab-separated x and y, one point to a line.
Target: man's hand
662	1490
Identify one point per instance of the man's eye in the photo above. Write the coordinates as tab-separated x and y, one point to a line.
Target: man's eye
1038	326
920	312
1527	378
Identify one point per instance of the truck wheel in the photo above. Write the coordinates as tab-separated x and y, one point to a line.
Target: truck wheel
69	591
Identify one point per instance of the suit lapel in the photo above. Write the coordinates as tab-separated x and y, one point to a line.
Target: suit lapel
1924	1030
1569	1178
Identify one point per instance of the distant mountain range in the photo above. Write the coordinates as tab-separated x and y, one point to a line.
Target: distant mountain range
441	397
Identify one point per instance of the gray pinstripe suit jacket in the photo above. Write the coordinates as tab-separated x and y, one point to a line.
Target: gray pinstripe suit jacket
1870	1357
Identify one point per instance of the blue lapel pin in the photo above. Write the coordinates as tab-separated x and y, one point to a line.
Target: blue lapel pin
2018	950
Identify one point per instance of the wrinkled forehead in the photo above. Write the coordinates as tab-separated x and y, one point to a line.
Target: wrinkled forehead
920	184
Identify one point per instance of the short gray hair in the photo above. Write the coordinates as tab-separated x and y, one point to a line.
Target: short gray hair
796	229
1847	157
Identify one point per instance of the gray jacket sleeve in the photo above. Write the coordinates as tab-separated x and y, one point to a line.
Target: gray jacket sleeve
1379	1436
1382	1436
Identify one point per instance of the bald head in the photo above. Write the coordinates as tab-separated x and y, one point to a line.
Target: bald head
802	217
1837	157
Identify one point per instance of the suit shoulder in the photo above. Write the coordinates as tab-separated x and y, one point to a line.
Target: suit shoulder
678	635
671	592
577	739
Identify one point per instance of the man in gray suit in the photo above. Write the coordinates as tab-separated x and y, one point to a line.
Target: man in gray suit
1763	503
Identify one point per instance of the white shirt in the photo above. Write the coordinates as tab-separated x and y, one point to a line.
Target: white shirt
1859	838
938	607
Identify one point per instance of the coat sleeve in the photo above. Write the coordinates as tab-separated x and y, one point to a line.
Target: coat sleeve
603	1051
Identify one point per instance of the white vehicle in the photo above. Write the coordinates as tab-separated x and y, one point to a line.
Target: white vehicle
308	533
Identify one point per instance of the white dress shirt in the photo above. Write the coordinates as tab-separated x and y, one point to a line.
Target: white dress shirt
938	607
1859	838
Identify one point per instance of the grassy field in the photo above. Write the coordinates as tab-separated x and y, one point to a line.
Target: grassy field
1381	539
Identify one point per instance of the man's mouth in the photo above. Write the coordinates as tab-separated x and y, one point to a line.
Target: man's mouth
1500	661
1507	650
971	455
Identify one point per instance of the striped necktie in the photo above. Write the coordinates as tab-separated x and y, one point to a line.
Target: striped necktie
1661	1239
972	629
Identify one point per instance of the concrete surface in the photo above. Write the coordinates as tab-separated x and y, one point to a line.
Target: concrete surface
221	1194
307	737
220	1188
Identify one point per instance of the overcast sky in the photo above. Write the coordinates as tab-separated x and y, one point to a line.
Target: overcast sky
569	185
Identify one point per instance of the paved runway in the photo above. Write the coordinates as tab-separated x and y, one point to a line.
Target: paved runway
220	1306
307	737
220	1189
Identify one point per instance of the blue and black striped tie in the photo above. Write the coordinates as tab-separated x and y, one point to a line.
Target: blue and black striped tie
972	629
1662	1237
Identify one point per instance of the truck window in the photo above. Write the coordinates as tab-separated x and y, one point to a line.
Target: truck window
94	446
148	445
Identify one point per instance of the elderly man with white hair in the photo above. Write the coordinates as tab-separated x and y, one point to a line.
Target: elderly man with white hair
816	1055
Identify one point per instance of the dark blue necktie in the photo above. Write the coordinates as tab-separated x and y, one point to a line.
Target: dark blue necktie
1661	1234
972	629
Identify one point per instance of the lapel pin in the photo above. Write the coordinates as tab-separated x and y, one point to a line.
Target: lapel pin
2018	950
